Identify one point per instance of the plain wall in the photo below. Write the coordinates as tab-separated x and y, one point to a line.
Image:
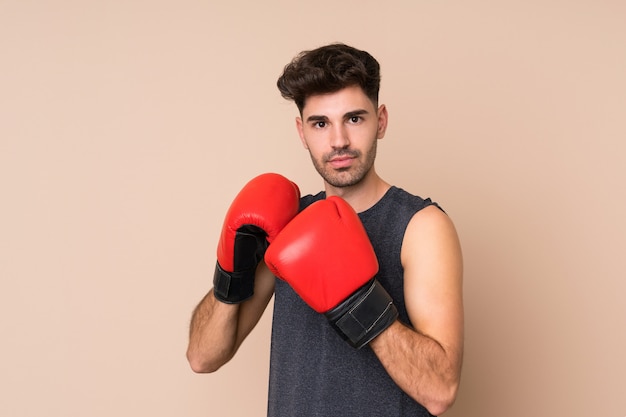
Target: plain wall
127	127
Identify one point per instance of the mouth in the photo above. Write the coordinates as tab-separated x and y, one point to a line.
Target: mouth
340	162
342	159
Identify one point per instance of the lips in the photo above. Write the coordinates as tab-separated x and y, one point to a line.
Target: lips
342	159
341	162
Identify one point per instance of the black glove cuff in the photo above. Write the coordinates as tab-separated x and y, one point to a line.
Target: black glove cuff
233	287
364	315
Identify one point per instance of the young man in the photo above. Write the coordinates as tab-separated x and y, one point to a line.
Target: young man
368	310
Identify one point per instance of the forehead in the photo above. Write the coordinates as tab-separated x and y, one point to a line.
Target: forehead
337	103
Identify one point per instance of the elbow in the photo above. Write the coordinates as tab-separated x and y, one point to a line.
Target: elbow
203	364
437	408
443	401
201	367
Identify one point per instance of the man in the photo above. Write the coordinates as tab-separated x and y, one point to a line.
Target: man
368	311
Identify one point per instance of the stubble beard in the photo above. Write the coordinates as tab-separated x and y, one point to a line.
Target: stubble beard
349	176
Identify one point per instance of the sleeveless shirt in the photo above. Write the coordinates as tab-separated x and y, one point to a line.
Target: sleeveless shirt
313	371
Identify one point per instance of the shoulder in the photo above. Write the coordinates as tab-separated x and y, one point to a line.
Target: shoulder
399	205
431	216
401	197
430	229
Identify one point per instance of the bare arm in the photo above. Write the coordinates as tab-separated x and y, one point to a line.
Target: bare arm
425	361
218	329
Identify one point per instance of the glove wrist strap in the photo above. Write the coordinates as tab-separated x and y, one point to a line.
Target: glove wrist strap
364	315
233	287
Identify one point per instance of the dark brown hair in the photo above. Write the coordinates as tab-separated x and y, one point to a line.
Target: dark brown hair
329	69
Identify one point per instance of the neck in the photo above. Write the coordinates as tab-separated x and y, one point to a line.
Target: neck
363	195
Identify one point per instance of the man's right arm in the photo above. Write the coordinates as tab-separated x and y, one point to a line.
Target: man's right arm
217	329
242	284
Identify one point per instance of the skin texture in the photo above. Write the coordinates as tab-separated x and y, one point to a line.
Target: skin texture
340	131
217	329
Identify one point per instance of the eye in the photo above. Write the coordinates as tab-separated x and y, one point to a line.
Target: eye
320	125
355	119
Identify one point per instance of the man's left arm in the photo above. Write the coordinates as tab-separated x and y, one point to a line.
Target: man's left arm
425	359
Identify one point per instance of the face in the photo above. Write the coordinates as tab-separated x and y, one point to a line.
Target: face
340	130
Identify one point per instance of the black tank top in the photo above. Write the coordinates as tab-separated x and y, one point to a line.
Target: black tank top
315	373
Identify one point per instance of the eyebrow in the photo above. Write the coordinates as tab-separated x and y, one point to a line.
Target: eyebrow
322	118
316	118
355	113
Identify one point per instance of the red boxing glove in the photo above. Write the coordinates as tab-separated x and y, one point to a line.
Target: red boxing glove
324	253
261	209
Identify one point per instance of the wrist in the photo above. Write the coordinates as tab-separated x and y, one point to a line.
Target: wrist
364	315
233	287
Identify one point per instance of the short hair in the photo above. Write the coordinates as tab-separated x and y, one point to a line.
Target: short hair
329	69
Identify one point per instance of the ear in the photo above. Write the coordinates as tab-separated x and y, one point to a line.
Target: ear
383	119
301	132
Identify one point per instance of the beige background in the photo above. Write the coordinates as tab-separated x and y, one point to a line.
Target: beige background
126	127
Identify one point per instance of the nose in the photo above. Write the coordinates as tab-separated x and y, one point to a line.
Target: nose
339	137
